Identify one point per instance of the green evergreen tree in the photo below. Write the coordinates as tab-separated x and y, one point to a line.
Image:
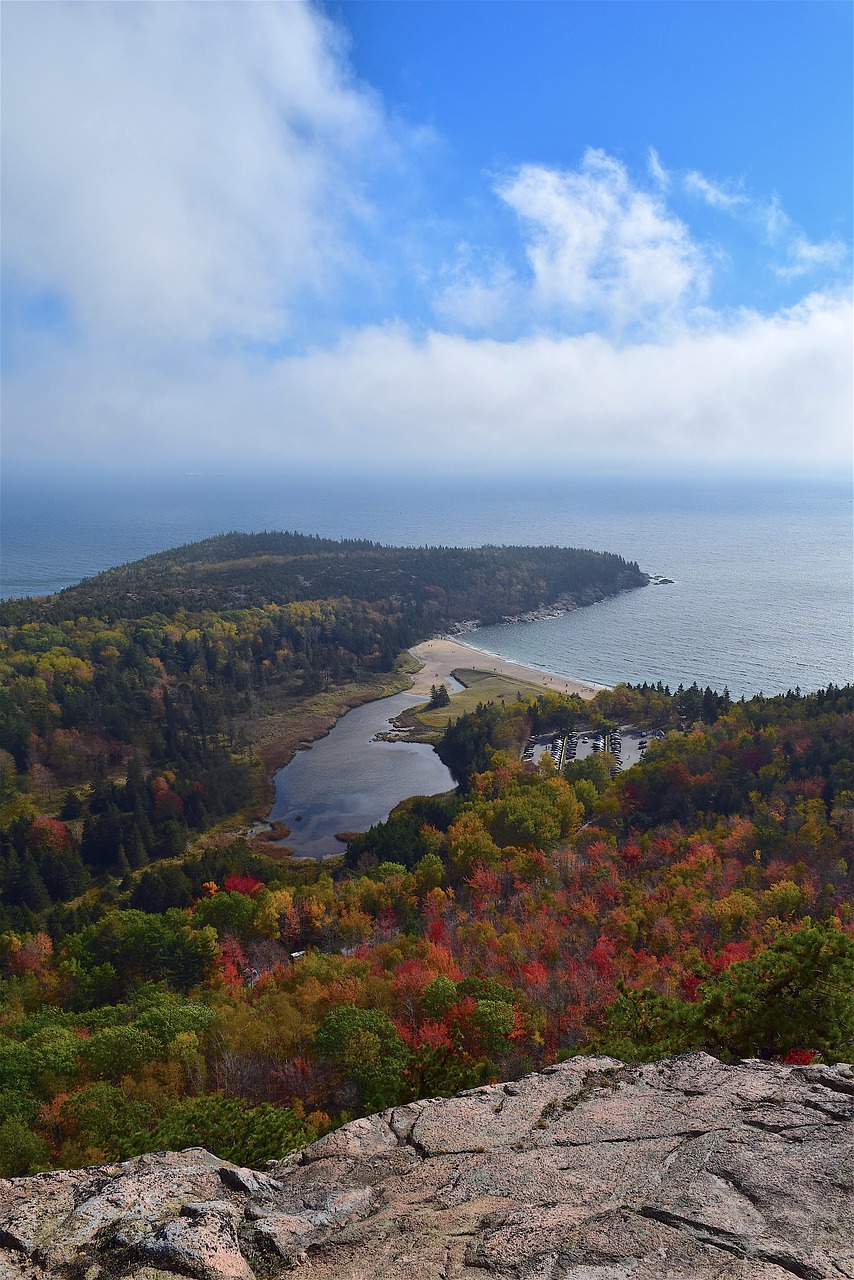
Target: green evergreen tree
137	854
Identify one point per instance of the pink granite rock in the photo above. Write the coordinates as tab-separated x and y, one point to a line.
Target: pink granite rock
685	1169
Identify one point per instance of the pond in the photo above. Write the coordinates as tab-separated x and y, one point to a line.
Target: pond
348	781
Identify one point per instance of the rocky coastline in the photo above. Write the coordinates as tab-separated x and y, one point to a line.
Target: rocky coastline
565	603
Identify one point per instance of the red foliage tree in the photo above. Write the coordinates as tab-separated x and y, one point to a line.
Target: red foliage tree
233	963
47	835
246	885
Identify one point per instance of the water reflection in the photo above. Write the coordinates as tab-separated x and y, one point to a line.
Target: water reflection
348	781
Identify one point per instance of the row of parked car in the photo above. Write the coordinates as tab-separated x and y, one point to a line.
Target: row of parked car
596	742
554	749
616	746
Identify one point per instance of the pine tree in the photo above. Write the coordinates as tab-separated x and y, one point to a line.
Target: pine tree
137	854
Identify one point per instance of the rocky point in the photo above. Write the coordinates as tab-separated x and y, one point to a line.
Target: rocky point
592	1170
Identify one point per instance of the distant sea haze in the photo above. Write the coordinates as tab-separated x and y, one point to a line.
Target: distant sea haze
761	598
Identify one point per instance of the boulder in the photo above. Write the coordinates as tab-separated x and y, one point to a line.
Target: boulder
684	1169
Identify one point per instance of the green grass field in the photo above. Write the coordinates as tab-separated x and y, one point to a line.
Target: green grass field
481	686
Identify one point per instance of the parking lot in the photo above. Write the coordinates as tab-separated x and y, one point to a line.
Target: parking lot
627	745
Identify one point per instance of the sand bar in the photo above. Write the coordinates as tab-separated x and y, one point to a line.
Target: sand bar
441	657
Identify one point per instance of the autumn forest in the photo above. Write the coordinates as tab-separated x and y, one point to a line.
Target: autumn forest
168	981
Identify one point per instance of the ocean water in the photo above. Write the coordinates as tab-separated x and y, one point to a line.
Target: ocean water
761	598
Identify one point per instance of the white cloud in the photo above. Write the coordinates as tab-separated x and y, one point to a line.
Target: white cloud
602	250
179	169
718	196
477	291
770	392
187	176
802	256
777	221
657	171
478	301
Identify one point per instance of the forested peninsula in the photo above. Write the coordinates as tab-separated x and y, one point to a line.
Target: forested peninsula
421	588
167	983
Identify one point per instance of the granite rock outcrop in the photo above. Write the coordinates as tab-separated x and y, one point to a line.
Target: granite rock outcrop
591	1170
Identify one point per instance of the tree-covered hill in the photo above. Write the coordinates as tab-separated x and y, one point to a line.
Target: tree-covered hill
430	586
127	702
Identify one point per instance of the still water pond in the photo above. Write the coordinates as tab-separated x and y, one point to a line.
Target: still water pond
347	781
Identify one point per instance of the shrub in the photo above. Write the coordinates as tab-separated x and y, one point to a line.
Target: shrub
368	1052
232	1129
21	1151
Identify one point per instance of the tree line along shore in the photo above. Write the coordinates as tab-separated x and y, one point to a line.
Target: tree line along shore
165	983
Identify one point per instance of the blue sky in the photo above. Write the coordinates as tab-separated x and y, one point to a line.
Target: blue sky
367	234
752	91
754	95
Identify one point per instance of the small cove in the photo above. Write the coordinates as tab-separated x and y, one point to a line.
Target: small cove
348	781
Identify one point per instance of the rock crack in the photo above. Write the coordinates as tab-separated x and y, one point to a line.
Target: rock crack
686	1169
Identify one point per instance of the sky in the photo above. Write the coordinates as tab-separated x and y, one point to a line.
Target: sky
492	236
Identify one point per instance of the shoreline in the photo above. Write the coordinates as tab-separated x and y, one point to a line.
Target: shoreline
285	732
572	681
438	658
444	654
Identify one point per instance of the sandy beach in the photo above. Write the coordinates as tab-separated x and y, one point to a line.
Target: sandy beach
441	657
